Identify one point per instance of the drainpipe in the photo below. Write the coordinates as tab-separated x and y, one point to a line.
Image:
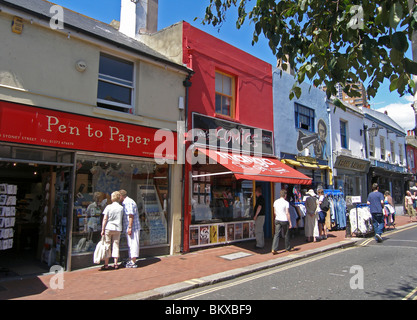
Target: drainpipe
330	139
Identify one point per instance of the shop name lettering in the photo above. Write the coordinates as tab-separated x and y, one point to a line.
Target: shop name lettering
238	137
113	132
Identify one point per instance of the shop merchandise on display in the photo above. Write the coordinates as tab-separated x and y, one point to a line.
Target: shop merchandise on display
7	215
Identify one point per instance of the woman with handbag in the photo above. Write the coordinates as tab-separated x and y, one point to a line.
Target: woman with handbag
112	227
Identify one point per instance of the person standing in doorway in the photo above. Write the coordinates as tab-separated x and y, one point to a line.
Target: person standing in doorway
131	225
376	203
282	221
259	218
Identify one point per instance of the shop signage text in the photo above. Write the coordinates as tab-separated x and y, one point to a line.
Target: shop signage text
232	136
44	127
352	164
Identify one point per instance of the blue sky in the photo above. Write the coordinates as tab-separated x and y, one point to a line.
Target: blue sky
172	11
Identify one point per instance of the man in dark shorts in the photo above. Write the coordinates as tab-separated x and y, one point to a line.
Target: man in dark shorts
376	203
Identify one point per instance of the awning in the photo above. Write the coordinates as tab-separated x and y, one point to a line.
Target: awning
303	164
245	167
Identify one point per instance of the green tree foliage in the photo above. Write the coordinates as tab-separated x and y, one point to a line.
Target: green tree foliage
333	41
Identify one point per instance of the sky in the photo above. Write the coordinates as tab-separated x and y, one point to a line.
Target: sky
173	11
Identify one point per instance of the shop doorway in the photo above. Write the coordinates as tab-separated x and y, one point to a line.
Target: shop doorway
267	194
32	217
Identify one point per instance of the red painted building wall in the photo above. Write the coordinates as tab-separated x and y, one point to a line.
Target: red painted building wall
206	55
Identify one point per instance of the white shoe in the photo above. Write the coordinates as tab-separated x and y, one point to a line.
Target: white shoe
130	264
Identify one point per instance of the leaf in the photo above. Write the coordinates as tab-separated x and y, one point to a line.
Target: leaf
396	56
410	66
297	91
399	41
393	85
395	14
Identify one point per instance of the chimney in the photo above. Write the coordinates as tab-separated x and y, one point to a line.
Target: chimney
138	17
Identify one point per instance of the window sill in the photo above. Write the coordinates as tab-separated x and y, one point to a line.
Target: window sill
117	115
224	117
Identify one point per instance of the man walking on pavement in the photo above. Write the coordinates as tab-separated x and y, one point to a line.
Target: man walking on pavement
282	221
259	218
376	203
131	225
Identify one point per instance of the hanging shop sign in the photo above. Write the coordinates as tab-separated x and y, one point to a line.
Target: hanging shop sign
45	127
231	136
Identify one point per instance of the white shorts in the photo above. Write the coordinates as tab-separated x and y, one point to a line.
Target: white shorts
133	243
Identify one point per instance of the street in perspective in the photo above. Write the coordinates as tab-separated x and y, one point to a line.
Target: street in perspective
211	150
366	271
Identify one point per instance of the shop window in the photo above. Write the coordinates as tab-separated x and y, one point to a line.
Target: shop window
304	117
96	178
224	94
221	209
115	84
214	200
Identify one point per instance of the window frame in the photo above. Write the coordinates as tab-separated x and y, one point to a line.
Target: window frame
382	147
344	144
109	79
231	97
371	145
311	116
392	147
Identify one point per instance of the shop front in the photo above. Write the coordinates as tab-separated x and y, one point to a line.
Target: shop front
350	175
316	169
223	180
57	171
390	177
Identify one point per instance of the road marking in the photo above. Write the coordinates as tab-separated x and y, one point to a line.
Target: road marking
363	244
264	274
284	268
408	296
366	242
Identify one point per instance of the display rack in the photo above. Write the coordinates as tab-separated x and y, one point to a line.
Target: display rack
7	215
369	229
8	194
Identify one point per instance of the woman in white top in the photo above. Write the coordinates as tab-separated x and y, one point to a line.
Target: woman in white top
112	227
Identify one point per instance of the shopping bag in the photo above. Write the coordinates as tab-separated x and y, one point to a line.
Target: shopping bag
102	251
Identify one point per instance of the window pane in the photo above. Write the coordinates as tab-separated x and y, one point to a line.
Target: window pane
114	93
219	82
226	106
218	103
116	67
227	85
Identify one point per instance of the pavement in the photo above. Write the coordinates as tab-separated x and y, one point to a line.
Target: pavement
159	277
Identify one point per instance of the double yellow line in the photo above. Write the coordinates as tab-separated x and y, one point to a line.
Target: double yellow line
410	295
260	275
366	242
